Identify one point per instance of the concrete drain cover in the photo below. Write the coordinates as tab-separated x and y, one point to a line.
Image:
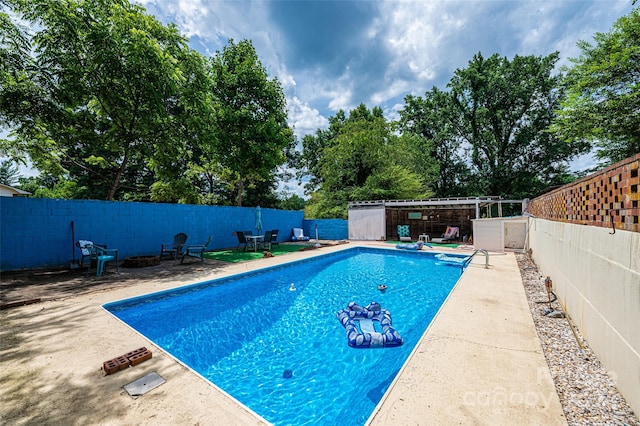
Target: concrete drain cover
144	384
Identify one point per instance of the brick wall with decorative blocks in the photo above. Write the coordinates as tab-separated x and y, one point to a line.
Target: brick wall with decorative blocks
609	198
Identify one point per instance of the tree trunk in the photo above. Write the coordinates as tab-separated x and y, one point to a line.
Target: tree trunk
116	179
240	191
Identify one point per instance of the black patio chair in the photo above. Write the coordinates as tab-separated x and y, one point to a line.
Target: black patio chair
242	240
196	251
174	249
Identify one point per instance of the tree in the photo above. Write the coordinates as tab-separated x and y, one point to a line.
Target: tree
504	109
365	160
192	172
251	118
15	64
19	91
106	74
308	164
434	120
291	202
9	173
602	102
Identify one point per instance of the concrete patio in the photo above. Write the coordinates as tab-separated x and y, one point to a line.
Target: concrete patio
480	362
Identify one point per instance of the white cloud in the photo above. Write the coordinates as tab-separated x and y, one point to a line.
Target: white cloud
305	119
421	42
583	162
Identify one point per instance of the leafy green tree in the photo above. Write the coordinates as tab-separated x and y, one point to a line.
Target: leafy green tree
106	76
291	202
251	116
51	187
14	59
191	173
504	109
439	156
602	103
9	173
19	90
313	146
308	164
327	205
365	160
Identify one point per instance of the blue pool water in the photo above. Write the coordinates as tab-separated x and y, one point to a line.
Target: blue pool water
247	332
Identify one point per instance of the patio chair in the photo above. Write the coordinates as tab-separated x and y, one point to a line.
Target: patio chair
298	235
452	233
196	251
274	238
403	233
174	249
242	240
266	240
101	256
85	250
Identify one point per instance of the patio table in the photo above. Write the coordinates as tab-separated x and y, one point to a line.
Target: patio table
254	240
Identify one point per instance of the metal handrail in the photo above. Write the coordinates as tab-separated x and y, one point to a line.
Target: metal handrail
486	255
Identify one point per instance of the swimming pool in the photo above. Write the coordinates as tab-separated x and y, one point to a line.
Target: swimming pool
283	353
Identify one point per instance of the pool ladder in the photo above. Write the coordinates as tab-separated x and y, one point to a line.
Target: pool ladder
486	255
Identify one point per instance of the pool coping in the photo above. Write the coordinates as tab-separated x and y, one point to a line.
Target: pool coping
489	369
480	361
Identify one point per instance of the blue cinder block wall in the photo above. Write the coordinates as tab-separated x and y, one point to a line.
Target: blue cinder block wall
36	232
328	229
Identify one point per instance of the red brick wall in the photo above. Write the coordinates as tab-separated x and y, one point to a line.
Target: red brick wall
598	199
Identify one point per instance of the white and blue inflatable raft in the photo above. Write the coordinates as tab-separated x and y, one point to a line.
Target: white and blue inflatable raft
368	327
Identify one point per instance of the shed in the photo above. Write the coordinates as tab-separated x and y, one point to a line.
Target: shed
501	233
379	220
367	223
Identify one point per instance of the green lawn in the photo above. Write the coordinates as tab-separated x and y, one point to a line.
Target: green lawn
234	256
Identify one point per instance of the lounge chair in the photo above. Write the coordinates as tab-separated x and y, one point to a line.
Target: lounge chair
298	235
174	249
101	255
403	233
452	233
196	251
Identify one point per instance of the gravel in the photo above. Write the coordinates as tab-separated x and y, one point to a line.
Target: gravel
587	391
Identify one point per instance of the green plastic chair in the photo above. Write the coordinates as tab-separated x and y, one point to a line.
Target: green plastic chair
101	256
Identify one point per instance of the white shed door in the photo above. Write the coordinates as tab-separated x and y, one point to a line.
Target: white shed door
515	234
488	234
367	224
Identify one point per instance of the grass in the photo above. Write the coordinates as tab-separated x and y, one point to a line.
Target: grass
234	256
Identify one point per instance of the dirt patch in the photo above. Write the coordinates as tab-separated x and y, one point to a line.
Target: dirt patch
52	284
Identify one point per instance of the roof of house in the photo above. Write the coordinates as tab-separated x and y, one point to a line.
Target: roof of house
10	191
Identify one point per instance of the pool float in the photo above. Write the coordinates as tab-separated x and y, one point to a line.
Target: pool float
412	246
454	260
368	327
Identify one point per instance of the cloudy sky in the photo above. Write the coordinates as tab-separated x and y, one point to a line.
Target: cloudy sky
332	55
